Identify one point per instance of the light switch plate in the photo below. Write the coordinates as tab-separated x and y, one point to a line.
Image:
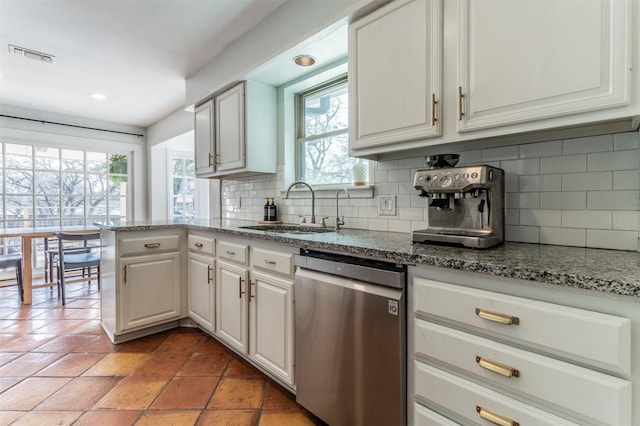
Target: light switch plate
387	205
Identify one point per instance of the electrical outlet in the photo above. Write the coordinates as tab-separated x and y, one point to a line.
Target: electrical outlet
387	205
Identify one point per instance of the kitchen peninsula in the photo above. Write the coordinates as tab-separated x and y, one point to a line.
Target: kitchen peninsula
577	310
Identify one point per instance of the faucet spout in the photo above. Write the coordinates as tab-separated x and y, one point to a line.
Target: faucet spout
340	220
313	197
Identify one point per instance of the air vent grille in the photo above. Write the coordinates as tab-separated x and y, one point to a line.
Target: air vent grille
31	54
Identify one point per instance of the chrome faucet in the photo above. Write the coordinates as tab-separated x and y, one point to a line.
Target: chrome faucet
313	198
340	220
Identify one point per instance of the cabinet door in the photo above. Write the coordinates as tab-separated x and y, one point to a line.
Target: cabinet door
231	305
395	57
527	60
204	133
271	308
150	290
230	129
202	290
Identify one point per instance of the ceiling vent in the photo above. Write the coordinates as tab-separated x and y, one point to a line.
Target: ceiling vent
31	54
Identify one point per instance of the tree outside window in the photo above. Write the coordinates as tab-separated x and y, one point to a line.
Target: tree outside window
323	134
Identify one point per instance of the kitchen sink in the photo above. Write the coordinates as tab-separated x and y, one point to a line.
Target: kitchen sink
288	229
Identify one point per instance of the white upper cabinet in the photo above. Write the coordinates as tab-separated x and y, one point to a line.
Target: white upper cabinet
490	68
235	132
204	132
531	59
395	74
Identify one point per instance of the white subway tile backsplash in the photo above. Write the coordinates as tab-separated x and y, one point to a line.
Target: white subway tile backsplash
522	234
408	213
587	219
617	160
530	200
521	167
540	183
563	236
400	175
588	144
629	140
626	221
400	226
619	240
502	153
541	149
563	200
613	200
564	164
530	217
579	192
626	180
594	181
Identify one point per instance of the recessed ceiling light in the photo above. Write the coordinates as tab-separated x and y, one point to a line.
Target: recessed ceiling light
98	96
304	60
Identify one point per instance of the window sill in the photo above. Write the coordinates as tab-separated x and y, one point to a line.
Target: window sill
329	191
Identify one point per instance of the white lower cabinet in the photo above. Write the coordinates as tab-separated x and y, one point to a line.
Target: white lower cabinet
271	327
484	357
231	306
254	305
201	280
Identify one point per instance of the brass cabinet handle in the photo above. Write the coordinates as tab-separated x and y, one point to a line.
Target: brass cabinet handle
497	317
240	292
252	294
269	262
460	96
231	253
152	245
210	159
495	418
199	245
124	273
209	277
496	367
433	109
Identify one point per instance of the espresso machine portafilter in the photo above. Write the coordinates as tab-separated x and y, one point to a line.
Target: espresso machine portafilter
465	204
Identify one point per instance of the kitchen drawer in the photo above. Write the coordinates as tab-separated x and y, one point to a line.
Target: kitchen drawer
272	260
422	416
469	401
149	244
596	396
203	245
555	329
232	251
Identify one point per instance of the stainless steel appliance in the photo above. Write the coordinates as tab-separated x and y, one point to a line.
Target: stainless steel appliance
466	204
350	327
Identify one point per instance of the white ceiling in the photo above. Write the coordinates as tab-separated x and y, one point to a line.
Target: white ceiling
137	53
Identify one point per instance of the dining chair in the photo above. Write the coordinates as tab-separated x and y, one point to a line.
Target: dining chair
73	259
14	261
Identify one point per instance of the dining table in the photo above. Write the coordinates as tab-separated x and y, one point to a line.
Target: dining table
27	236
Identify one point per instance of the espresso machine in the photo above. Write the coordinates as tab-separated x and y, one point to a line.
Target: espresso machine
465	204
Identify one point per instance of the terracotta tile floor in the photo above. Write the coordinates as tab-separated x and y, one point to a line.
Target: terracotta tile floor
57	367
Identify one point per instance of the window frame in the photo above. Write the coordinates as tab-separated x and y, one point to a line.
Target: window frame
299	120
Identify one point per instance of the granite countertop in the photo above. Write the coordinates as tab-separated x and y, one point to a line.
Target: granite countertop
610	271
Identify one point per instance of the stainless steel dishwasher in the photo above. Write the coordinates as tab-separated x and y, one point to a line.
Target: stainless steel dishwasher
350	336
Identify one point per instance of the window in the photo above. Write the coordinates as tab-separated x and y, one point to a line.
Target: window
46	186
183	188
322	134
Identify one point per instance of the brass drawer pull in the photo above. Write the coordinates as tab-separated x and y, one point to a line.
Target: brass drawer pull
497	317
496	367
199	245
269	262
231	253
152	245
240	292
209	277
460	96
494	418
